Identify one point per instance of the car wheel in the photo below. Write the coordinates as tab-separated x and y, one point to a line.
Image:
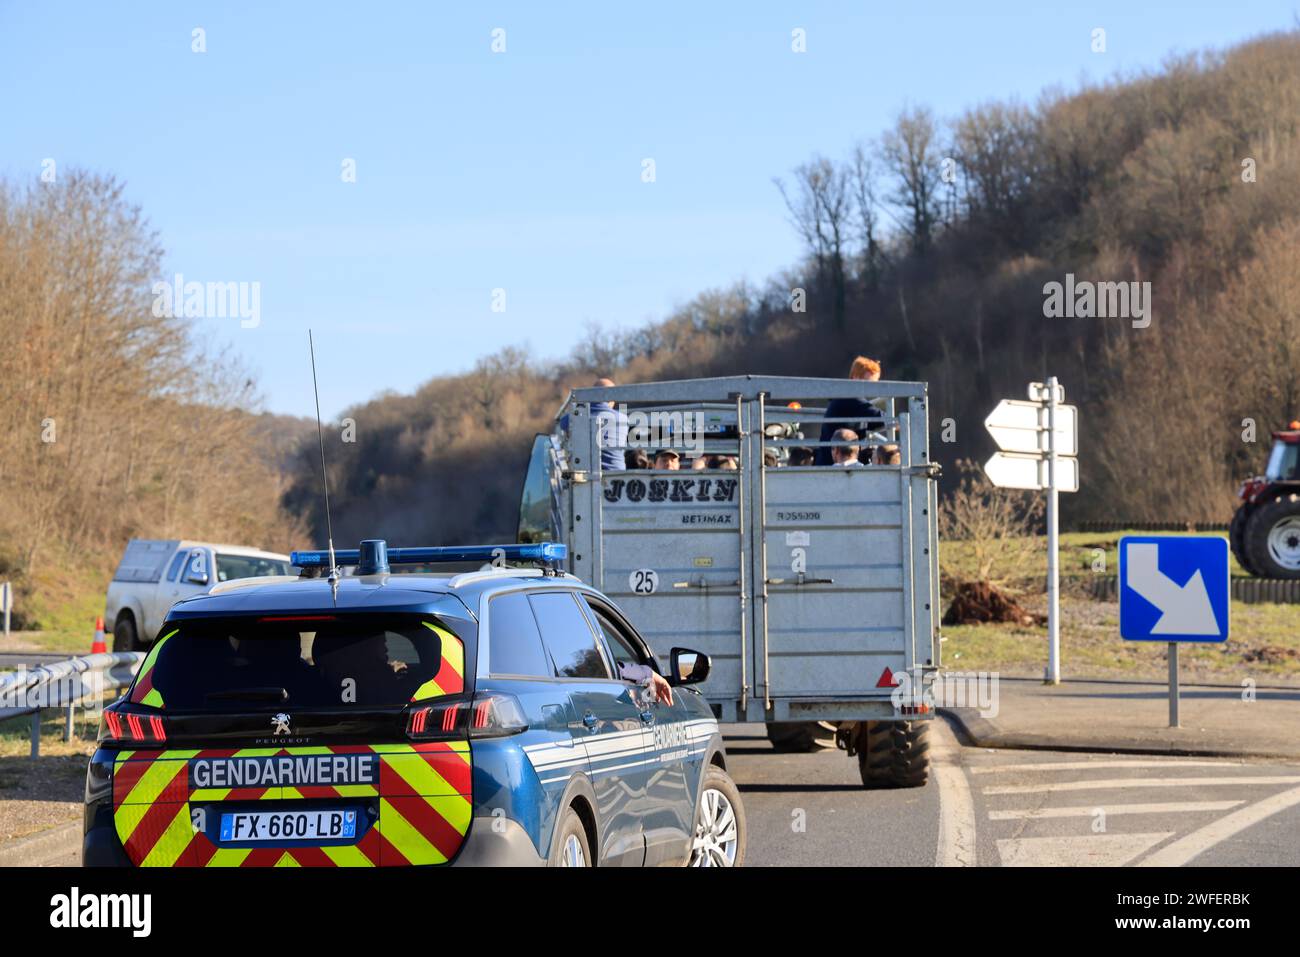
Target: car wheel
570	848
719	823
124	636
1273	538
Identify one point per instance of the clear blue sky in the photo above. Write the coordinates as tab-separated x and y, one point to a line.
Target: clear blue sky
519	170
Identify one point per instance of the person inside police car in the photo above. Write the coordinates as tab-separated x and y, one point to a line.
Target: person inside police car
276	659
645	676
359	666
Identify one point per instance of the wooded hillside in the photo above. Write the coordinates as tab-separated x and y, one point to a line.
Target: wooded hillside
930	248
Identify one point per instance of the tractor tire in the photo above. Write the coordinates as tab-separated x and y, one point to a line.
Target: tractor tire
1237	538
1272	538
799	736
125	637
894	754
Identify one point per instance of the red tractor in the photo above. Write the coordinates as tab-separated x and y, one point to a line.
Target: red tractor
1265	530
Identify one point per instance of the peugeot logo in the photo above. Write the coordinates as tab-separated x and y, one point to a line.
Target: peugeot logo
280	723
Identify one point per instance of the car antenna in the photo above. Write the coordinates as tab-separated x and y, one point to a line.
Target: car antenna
324	477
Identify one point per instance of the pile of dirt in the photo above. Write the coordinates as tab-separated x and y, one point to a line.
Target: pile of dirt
981	602
1270	655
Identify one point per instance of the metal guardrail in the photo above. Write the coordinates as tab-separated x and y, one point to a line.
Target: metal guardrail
64	685
1249	591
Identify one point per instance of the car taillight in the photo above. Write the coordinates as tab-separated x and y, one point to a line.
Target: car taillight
132	729
444	719
496	714
488	715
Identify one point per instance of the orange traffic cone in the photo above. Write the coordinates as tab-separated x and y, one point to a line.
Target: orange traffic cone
99	645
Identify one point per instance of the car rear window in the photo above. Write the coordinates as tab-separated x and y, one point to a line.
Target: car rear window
248	664
231	567
515	647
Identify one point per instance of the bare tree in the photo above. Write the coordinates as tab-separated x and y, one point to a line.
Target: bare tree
820	210
911	152
994	145
863	175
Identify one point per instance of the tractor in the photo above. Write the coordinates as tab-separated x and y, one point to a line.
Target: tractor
1265	529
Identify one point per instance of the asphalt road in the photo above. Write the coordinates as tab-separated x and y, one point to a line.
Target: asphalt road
1006	808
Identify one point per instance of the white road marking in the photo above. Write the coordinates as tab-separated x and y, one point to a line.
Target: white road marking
1084	765
1088	810
956	806
1116	783
1092	850
1182	851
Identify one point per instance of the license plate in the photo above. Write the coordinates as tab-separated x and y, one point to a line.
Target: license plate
316	825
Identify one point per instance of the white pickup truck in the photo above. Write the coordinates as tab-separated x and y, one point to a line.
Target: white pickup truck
155	574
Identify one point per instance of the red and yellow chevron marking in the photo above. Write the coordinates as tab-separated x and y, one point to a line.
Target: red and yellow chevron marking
144	692
450	678
423	797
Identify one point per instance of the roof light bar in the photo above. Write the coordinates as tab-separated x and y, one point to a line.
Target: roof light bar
537	552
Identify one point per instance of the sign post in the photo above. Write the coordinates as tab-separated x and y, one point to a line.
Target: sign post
1039	440
1053	541
1173	685
1173	588
6	602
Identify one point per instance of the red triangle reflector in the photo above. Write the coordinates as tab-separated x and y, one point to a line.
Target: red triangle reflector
886	679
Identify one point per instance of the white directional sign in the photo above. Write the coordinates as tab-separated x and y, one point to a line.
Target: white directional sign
1019	426
1009	470
1039	440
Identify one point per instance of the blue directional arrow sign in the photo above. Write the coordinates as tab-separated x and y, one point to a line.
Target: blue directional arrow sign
1173	588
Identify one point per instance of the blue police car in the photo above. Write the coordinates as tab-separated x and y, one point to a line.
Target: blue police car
426	718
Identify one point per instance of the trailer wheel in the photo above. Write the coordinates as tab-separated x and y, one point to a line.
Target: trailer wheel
1272	538
124	634
1237	538
894	754
800	735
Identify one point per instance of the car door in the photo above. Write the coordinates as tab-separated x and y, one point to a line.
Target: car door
520	665
165	594
668	811
612	722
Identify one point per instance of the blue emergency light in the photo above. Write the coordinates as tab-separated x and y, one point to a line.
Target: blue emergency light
374	556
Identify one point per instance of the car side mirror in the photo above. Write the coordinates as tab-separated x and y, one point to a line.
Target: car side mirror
687	667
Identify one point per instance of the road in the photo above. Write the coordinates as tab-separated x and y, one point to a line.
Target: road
15	659
1008	808
993	808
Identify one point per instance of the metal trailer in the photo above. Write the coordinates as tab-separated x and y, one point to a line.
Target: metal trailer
814	589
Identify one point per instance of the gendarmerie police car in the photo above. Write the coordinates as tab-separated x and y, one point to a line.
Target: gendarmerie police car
408	719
